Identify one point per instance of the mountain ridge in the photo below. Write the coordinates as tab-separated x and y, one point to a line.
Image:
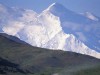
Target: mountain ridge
37	61
41	29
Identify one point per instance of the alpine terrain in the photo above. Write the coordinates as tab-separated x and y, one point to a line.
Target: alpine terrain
54	28
20	58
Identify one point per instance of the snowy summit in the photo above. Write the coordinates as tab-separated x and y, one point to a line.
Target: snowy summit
54	28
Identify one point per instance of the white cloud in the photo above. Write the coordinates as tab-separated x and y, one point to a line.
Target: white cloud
13	27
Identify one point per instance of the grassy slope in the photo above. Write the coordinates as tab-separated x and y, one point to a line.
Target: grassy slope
45	62
92	71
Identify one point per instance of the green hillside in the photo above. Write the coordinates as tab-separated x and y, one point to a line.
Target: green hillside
38	61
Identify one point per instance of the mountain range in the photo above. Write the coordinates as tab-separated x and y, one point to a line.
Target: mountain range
55	28
20	58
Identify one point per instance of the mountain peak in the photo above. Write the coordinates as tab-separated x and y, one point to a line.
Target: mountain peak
57	9
55	6
49	28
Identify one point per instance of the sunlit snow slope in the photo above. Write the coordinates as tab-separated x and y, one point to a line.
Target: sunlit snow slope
54	28
85	26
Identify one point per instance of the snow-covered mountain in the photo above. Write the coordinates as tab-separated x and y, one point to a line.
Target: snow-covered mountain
86	27
54	28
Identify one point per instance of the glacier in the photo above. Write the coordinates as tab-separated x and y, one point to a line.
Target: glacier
55	28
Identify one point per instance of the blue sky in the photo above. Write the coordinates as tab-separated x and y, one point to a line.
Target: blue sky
39	5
